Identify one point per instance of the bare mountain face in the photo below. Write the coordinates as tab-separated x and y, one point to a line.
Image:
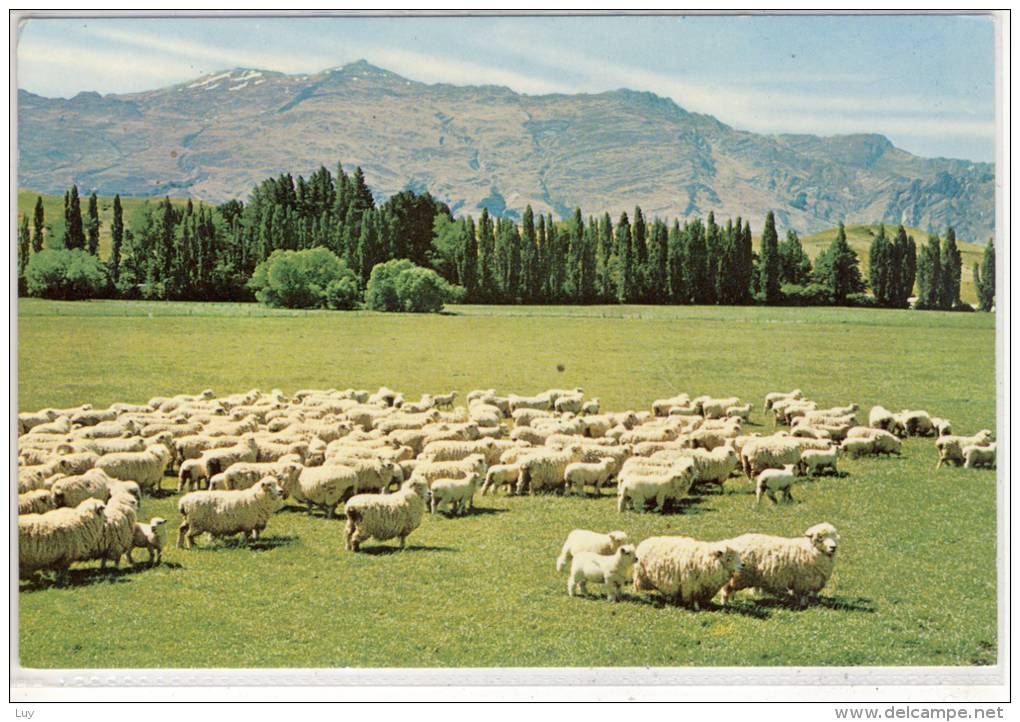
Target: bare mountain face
485	147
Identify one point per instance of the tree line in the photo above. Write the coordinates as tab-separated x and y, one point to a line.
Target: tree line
203	252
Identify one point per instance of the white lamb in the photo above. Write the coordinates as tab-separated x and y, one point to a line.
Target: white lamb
611	570
386	516
975	456
225	513
814	461
150	537
773	481
951	447
458	493
671	484
583	540
689	571
580	474
800	566
500	475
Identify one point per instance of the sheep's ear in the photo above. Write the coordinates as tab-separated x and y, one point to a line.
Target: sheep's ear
718	553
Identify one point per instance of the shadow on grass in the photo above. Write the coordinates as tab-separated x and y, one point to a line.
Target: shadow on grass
744	609
267	543
91	575
840	604
476	511
384	550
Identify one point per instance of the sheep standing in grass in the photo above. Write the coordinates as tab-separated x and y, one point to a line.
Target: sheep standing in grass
975	456
150	537
687	570
117	534
943	427
56	539
858	446
73	490
38	501
800	566
769	452
386	516
951	447
609	569
225	513
458	493
880	418
143	467
499	475
543	469
773	481
583	540
814	461
580	474
773	397
669	484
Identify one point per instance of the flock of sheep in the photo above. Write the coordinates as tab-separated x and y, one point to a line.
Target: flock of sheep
389	461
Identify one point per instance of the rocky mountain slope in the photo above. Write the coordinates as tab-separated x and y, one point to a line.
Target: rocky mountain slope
485	146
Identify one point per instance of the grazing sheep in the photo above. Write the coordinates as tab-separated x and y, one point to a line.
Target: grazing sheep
880	418
800	566
56	539
28	421
590	407
858	446
670	484
611	570
715	466
541	401
951	447
216	460
579	474
77	463
912	423
569	404
245	474
60	425
143	467
38	501
444	401
150	537
661	407
499	475
543	469
689	571
814	461
769	452
225	513
739	412
975	456
429	471
943	427
716	408
771	481
73	490
583	540
773	397
386	516
117	534
458	493
323	486
102	447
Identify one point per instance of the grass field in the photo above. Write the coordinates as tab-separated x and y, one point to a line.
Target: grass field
915	583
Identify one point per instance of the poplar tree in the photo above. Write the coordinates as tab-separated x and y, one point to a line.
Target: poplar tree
952	270
39	222
984	279
769	260
93	224
929	274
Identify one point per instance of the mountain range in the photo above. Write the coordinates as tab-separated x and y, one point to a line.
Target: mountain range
485	146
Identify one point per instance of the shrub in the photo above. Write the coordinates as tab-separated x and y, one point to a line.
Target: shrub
304	279
861	300
812	294
381	291
399	285
65	274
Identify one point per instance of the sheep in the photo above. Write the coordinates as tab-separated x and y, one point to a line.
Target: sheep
117	534
943	427
485	415
323	486
580	473
739	412
38	501
105	446
444	401
107	430
799	567
56	539
882	442
813	461
143	467
429	471
480	395
28	421
384	397
769	452
611	570
689	571
591	407
247	449
457	450
771	481
951	447
713	438
385	516
543	469
975	456
458	493
858	446
569	404
525	416
648	433
191	475
499	475
661	407
716	408
714	466
773	397
150	537
541	401
77	462
246	474
60	425
225	513
786	409
811	432
912	423
582	540
669	484
73	490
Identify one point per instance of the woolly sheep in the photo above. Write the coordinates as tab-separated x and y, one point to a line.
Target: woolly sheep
323	486
28	421
813	461
105	446
56	539
771	481
611	570
975	456
769	452
670	484
73	490
590	407
773	397
117	533
247	449
689	571
880	418
800	566
150	537
739	412
582	540
386	516
951	447
943	427
912	423
245	474
569	403
661	407
38	501
499	475
225	513
458	493
429	471
580	474
143	467
716	408
60	425
444	401
543	469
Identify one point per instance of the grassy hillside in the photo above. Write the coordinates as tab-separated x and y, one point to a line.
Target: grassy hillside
914	584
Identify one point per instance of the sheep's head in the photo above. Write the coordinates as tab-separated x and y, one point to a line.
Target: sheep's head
418	486
627	551
268	485
728	559
617	539
93	507
824	538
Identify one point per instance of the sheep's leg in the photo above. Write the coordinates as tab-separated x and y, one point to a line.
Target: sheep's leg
180	534
131	559
570	586
403	541
727	592
432	505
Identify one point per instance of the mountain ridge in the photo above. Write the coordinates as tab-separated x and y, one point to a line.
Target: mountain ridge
487	146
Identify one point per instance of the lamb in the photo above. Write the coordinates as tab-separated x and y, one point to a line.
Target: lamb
38	501
975	456
143	467
580	473
773	397
192	473
499	475
611	570
813	461
150	537
689	571
670	484
73	490
56	539
444	401
385	516
951	447
458	493
582	540
771	481
429	471
225	513
800	566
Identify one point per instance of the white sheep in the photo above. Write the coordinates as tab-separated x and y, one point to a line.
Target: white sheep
458	493
583	540
225	513
444	401
151	537
386	516
773	397
38	501
56	539
814	461
117	534
143	467
951	447
543	469
569	404
769	452
716	408
429	471
73	490
943	427
912	423
771	481
689	571
670	484
581	473
661	407
499	475
247	449
739	412
245	474
975	456
800	566
591	407
880	418
609	569
323	486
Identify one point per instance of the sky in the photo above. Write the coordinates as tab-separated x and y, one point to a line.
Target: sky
926	82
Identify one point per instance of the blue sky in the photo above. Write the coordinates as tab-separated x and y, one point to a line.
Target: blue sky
926	82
